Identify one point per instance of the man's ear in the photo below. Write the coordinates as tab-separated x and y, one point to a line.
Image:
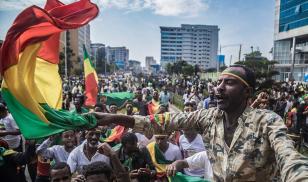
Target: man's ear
249	92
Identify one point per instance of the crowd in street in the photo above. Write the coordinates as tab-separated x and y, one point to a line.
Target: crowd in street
143	139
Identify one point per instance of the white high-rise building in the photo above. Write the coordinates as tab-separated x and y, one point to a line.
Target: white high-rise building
195	44
84	39
149	60
118	56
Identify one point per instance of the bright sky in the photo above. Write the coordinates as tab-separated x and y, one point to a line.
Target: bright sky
135	23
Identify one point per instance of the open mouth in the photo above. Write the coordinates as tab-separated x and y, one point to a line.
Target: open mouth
220	98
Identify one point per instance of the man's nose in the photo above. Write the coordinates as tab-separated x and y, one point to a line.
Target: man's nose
220	87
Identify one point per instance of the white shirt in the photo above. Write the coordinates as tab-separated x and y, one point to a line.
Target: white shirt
143	141
10	125
173	153
201	161
189	149
56	152
77	159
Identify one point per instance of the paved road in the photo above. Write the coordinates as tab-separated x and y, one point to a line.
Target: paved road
173	108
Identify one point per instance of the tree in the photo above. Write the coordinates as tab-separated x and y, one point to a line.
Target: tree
262	67
188	70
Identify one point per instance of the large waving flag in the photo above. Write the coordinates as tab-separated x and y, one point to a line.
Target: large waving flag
29	59
91	80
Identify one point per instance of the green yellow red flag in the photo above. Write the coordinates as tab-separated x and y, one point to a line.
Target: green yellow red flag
29	57
91	80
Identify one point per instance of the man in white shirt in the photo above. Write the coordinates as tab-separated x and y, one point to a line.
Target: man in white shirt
162	153
191	143
171	152
86	153
197	161
10	131
59	153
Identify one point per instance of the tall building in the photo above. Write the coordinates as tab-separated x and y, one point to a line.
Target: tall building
149	60
98	52
195	44
84	39
118	56
76	38
134	66
291	39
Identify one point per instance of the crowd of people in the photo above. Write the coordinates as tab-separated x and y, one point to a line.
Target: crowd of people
227	131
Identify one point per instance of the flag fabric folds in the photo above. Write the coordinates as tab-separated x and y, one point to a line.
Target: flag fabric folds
180	177
115	134
118	97
29	57
158	159
91	80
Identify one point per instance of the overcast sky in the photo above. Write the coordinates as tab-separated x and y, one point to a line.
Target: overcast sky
135	23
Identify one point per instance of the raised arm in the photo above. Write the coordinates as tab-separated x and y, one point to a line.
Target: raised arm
293	165
159	122
44	149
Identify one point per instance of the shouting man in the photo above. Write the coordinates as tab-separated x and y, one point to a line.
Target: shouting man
242	143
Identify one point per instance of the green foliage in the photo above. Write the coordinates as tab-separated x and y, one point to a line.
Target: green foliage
178	101
182	67
262	67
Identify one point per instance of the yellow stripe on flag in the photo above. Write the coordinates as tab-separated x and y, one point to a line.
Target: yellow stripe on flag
49	82
88	69
20	80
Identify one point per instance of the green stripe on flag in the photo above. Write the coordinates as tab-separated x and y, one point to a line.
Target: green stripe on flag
32	127
179	177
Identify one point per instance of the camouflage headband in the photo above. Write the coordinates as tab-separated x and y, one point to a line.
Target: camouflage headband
237	74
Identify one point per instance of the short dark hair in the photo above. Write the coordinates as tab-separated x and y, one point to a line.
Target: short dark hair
60	165
129	138
249	74
113	104
3	107
97	167
100	105
188	104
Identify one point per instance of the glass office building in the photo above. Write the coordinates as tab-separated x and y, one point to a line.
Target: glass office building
291	39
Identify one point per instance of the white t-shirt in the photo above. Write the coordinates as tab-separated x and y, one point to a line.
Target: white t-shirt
143	141
173	153
77	159
201	161
56	152
10	125
189	149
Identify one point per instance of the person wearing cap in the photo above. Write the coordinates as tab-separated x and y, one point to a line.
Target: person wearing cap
242	143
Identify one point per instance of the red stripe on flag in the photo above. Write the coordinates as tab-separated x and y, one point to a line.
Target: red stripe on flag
91	90
35	25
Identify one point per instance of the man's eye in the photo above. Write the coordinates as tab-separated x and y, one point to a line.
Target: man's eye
229	82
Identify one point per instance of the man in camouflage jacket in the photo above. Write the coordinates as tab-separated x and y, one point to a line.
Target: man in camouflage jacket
243	144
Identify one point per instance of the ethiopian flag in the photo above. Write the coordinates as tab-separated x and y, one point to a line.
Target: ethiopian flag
29	57
91	79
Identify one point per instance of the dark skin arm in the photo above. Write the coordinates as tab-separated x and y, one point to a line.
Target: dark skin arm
106	119
121	174
4	133
176	166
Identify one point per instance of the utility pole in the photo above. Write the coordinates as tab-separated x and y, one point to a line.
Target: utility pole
291	77
239	53
65	55
230	60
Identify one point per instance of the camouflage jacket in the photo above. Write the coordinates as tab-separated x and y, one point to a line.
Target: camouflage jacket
259	146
